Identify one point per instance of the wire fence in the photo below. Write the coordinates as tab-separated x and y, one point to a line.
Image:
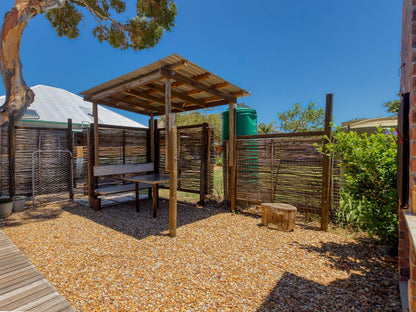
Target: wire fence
52	176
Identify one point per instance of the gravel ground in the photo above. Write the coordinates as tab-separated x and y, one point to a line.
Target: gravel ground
118	260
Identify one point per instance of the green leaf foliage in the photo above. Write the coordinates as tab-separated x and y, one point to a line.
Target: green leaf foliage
199	117
392	107
369	167
262	128
300	119
142	31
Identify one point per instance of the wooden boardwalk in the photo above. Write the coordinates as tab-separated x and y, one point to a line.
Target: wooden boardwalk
22	286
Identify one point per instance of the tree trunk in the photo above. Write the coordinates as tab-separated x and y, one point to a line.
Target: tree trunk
18	95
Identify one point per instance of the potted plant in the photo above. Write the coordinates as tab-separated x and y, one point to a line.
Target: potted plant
19	203
6	206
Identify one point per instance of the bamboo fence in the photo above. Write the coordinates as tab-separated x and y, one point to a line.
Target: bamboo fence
196	157
27	141
282	168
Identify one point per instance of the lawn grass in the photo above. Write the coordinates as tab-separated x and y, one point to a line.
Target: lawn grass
218	189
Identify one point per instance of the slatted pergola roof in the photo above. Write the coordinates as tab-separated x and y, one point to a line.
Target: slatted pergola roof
143	90
168	86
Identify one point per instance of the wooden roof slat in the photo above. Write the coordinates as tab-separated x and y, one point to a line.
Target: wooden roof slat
130	85
193	87
145	95
212	99
195	91
180	95
198	85
177	84
221	85
143	108
202	77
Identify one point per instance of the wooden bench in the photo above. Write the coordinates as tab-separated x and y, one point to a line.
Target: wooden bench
115	170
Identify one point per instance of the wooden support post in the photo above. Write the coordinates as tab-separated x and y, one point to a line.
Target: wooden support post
203	175
173	174
171	157
155	200
232	154
168	109
208	159
327	168
12	158
152	138
149	149
225	170
156	160
70	163
178	142
123	152
90	166
123	149
96	142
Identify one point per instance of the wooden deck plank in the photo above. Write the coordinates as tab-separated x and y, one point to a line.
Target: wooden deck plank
54	304
14	298
17	272
9	254
34	304
18	283
13	266
22	286
17	278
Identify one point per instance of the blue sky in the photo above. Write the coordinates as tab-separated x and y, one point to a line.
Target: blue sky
284	52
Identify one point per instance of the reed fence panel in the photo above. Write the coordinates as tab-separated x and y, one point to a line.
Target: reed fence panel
28	140
285	169
192	142
117	145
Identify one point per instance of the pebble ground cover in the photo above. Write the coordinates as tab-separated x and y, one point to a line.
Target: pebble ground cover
119	260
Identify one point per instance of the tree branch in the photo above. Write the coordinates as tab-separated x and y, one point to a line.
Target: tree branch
18	94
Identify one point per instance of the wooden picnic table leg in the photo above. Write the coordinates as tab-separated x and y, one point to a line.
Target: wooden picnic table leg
155	202
137	197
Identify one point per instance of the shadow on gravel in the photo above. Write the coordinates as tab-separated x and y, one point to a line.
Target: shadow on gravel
30	215
125	219
371	286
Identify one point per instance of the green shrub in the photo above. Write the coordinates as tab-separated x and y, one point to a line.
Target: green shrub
218	161
369	166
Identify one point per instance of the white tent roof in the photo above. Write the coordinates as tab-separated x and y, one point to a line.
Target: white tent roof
57	105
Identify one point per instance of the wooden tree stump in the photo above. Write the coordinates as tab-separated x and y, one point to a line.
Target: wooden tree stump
278	216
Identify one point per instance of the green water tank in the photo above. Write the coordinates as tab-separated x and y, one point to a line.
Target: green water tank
246	121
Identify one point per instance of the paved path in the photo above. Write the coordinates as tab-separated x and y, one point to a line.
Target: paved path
22	286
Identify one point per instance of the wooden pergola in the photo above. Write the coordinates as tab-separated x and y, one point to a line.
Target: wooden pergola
166	87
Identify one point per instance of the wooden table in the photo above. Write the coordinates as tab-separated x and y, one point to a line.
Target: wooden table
154	180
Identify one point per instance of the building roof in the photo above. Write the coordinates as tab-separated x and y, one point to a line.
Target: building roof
143	90
370	125
57	105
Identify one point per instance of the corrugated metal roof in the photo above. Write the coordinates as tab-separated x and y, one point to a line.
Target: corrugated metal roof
57	105
149	97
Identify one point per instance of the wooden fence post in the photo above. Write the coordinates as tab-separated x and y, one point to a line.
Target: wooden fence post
156	154
12	157
203	175
90	166
173	173
70	163
327	167
232	155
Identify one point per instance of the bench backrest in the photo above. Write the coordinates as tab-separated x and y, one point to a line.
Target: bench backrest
100	171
